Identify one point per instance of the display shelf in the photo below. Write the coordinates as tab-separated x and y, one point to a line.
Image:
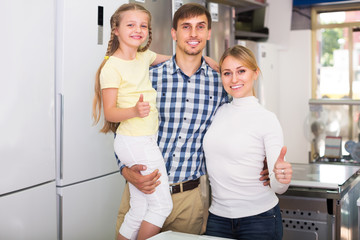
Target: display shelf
250	35
241	5
334	102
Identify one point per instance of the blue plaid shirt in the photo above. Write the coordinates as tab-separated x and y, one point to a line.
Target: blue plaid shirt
186	107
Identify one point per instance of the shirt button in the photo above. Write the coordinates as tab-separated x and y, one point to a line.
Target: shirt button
188	80
185	118
179	137
174	155
187	100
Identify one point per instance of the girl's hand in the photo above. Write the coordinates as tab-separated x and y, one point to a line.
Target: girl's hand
142	108
212	63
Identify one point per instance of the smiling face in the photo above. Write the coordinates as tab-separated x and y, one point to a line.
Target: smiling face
237	78
133	29
191	34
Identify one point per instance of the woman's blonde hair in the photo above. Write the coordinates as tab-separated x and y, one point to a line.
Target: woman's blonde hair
113	45
243	54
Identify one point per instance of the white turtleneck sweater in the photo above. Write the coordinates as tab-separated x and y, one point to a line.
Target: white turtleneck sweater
241	135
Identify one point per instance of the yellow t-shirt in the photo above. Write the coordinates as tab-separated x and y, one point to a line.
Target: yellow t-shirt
131	77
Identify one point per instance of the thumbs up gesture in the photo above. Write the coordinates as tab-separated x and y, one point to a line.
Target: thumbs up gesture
282	169
142	108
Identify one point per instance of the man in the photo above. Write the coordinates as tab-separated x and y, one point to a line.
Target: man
189	92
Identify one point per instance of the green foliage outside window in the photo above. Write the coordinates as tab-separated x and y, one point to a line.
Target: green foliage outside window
330	43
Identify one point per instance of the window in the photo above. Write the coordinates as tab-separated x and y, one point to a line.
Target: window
335	103
337	54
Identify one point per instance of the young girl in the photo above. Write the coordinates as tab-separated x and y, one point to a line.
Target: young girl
123	87
241	135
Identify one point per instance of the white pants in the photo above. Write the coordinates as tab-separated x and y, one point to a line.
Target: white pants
153	208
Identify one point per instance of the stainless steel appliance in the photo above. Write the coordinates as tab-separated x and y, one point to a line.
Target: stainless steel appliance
223	33
222	29
161	22
320	203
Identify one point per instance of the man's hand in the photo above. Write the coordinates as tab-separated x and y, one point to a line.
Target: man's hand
265	174
212	63
145	183
282	169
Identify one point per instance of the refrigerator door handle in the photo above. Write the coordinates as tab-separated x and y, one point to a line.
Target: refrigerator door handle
61	135
60	215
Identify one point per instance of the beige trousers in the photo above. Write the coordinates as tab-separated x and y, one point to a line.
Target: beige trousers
189	214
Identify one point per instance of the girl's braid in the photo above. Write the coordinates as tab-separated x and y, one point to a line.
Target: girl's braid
148	42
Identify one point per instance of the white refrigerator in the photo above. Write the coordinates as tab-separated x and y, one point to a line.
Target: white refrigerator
58	174
88	182
27	121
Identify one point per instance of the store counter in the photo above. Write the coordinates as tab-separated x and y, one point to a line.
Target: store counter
183	236
320	203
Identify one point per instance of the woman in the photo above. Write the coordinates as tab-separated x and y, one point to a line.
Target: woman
240	136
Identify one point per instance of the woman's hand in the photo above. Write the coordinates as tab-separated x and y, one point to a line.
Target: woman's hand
282	169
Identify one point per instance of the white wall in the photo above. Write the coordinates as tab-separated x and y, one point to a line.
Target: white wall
278	20
295	89
294	74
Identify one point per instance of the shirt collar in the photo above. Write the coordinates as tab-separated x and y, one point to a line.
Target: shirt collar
174	68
